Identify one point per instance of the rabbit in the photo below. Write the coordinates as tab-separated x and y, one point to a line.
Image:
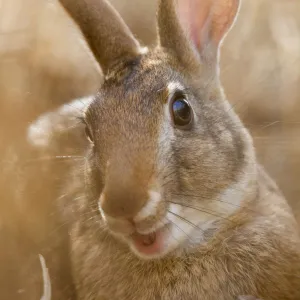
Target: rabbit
170	201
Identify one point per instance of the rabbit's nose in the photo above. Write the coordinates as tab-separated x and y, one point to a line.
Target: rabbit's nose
147	219
126	185
118	203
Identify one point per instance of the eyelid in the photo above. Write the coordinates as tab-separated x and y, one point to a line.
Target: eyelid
178	94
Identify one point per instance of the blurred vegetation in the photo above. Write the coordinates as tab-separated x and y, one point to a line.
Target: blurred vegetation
44	63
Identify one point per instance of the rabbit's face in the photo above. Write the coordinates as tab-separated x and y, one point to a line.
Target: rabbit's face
173	159
170	158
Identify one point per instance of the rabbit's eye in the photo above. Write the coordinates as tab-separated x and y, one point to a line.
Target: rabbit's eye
88	134
181	112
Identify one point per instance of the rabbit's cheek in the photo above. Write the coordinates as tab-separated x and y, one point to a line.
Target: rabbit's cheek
188	225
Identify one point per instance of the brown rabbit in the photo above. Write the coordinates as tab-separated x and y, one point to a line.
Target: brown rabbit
170	202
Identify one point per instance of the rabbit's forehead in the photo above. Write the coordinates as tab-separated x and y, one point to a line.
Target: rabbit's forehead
146	74
141	88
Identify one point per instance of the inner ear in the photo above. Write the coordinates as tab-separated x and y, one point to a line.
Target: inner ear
194	16
194	26
207	21
223	16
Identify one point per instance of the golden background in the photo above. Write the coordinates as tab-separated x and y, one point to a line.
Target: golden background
44	63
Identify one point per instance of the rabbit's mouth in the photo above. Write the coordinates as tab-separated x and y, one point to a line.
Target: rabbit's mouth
150	245
159	228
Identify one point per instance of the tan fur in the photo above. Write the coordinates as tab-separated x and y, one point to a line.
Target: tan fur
245	240
254	253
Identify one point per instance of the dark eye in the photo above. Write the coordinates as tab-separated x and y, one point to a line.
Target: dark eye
181	112
88	134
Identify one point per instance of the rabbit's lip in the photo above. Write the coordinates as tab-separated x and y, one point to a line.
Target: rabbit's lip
149	244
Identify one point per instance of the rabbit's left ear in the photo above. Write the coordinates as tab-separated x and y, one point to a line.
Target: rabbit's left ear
104	30
195	26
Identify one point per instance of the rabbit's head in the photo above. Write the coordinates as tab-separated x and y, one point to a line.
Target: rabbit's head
168	158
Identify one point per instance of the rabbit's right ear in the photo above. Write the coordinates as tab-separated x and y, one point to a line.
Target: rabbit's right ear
195	27
104	30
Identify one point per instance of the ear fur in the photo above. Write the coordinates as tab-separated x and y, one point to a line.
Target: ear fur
104	30
171	35
202	24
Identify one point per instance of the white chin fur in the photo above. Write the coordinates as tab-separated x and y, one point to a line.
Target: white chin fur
187	225
191	223
150	208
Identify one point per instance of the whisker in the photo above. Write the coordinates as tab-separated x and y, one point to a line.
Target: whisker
59	157
167	182
178	228
170	174
74	107
269	125
85	176
62	225
212	213
185	220
67	128
84	104
67	195
216	200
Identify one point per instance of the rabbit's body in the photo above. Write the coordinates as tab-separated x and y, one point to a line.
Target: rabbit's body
170	202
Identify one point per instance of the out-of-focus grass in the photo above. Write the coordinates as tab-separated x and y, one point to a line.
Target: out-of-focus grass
42	62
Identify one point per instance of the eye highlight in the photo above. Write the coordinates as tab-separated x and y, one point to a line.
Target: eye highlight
181	111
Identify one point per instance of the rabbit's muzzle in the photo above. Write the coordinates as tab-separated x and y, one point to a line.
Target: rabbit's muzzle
146	231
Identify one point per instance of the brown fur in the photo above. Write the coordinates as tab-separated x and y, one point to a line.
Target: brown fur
255	253
253	248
